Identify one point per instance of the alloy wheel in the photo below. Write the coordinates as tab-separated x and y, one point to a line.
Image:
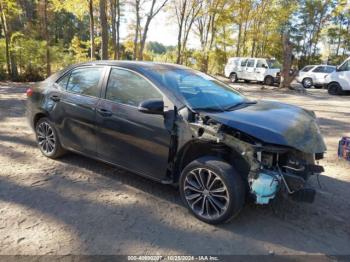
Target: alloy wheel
206	193
307	83
46	138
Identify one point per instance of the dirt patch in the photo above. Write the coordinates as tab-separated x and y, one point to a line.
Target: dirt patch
76	205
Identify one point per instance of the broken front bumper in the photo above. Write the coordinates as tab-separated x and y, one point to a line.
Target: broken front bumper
267	183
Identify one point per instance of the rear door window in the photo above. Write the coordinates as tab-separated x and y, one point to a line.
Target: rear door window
307	68
319	69
62	83
85	81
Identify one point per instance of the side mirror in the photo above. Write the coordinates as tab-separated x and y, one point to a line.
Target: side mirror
265	66
152	106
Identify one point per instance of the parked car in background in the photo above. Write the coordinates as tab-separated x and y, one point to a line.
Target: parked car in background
314	75
253	69
339	80
179	126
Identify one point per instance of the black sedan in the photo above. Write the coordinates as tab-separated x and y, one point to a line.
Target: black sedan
182	127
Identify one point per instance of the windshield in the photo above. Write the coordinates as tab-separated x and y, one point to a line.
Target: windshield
273	64
201	91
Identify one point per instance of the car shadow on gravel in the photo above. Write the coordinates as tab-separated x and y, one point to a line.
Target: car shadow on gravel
116	223
22	140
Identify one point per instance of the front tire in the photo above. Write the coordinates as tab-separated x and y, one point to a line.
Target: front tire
335	89
47	139
307	82
212	190
233	78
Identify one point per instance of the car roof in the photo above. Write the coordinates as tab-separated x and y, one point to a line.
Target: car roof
318	65
247	57
133	64
138	66
146	68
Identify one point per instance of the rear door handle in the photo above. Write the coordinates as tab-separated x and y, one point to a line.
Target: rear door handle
104	112
55	98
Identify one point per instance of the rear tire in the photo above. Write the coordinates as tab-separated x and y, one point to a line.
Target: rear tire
269	81
212	190
335	89
47	139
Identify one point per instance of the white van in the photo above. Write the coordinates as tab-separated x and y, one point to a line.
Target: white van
339	80
253	69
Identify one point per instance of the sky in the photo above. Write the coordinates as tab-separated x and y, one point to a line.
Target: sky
163	29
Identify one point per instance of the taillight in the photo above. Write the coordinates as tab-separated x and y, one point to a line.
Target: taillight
29	92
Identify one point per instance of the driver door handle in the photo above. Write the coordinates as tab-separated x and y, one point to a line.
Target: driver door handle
104	112
55	98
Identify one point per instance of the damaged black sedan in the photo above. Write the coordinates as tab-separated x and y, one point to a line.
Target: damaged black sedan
182	127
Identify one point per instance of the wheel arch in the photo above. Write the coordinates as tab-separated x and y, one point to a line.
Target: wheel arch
268	76
308	77
233	72
333	82
197	148
37	117
339	90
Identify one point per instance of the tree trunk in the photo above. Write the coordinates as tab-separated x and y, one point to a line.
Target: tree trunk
92	29
118	30
193	15
286	78
113	9
104	30
136	39
47	39
179	35
143	39
7	39
239	39
152	13
253	47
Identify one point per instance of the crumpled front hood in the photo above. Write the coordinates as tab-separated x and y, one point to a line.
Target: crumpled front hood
276	123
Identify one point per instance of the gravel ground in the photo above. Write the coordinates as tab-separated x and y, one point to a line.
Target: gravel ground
76	205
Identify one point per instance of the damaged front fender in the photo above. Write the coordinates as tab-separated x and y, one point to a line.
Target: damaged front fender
272	167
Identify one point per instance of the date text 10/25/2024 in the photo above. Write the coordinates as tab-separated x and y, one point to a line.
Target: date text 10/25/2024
172	258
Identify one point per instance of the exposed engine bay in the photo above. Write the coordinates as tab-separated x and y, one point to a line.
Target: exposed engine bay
286	172
273	169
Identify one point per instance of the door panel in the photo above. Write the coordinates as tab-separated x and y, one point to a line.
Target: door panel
242	68
318	74
250	71
78	123
126	137
260	70
75	112
342	75
131	139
